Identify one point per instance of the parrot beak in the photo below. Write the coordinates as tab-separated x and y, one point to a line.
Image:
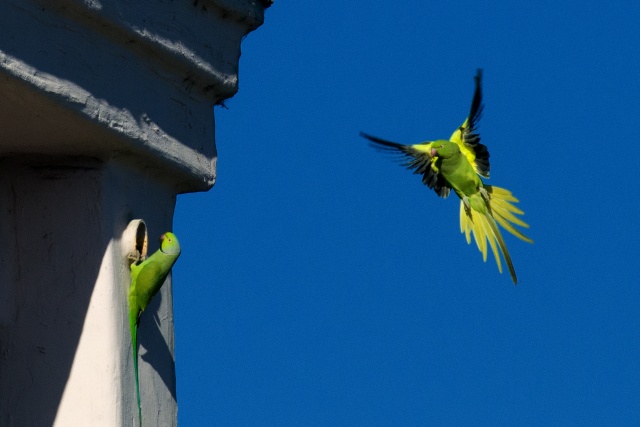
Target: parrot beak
162	238
434	153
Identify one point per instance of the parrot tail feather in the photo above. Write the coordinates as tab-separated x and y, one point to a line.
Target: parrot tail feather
483	225
133	323
484	229
502	209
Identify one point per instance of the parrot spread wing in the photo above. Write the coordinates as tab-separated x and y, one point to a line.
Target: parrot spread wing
417	158
467	137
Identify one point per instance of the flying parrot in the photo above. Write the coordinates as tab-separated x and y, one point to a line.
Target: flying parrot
146	280
458	164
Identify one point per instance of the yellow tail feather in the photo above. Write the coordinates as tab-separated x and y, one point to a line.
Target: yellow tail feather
484	228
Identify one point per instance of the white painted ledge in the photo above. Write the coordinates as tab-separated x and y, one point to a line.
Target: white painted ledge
121	78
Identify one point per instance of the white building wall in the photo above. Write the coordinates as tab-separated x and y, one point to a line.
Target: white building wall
105	116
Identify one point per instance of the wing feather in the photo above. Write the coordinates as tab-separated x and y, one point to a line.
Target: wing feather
417	158
148	282
467	136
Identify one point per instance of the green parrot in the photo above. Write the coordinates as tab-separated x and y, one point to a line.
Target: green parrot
458	164
146	280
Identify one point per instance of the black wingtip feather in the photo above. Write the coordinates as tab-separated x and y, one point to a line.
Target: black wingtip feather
471	137
478	76
476	103
381	142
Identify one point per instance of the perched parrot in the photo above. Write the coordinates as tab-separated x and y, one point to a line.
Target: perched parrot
146	280
458	164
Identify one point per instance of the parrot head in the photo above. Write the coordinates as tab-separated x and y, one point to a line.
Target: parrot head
444	149
169	243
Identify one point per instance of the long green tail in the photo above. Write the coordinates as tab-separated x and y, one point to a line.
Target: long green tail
133	322
480	220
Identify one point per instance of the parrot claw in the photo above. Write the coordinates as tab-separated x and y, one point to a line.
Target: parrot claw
467	206
485	195
135	258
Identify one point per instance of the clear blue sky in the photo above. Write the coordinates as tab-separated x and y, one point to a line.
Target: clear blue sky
323	284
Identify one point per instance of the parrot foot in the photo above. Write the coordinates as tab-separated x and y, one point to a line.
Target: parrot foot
135	258
485	195
467	205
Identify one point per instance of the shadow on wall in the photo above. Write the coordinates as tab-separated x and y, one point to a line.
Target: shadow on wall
56	266
48	276
150	337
